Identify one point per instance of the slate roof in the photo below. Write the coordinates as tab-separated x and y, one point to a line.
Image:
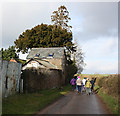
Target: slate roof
56	52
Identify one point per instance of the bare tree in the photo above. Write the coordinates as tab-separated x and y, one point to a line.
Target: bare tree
79	59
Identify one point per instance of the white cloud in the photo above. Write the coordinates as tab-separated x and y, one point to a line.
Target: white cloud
60	1
101	48
101	67
110	46
101	55
0	25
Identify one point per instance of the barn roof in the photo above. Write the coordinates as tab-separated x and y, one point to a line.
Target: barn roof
43	63
55	52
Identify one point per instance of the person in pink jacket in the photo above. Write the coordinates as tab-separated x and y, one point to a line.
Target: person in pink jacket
72	82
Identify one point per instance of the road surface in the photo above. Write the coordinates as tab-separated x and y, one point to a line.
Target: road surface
73	103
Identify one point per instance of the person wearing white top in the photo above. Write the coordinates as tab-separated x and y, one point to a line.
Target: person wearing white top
83	82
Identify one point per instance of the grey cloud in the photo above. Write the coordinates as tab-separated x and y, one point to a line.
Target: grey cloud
99	20
21	16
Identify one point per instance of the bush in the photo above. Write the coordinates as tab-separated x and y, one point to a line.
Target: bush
100	82
109	85
109	91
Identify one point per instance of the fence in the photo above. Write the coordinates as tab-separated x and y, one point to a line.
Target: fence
10	77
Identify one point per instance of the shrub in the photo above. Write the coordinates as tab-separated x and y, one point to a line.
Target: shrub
109	85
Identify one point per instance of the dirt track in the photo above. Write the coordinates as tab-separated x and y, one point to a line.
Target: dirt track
73	103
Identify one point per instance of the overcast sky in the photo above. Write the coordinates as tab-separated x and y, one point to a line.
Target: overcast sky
95	28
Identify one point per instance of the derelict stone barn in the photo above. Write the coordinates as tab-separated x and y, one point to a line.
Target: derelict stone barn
45	68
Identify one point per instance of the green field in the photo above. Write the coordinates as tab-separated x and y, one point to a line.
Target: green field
33	102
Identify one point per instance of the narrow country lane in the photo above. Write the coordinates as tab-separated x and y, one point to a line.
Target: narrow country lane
72	103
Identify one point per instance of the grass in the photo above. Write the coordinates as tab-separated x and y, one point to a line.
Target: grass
31	103
111	102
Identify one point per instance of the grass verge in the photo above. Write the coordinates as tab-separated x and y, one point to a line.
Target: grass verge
31	103
111	102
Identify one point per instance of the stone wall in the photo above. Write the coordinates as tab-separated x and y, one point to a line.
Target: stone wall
38	79
11	73
61	64
56	62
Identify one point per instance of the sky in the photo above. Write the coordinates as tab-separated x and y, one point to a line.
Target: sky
94	27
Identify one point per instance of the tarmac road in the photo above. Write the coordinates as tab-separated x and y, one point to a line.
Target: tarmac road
73	103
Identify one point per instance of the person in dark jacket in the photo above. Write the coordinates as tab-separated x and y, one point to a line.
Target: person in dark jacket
76	84
92	83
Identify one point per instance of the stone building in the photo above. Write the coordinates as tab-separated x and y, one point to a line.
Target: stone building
45	68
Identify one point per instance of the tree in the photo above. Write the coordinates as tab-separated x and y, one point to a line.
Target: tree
78	58
44	36
71	69
9	53
61	17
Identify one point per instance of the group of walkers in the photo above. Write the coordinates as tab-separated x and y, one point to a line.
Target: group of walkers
81	85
